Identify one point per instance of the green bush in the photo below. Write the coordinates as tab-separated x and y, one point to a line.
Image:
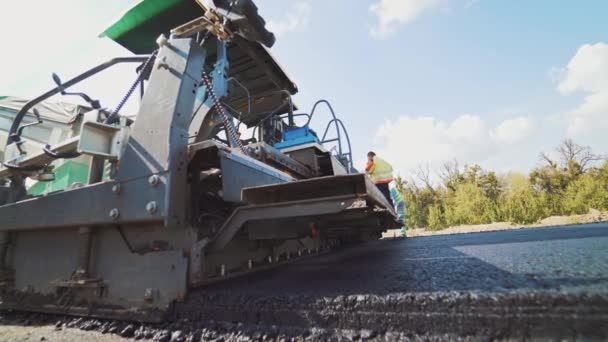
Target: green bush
436	219
589	191
520	204
472	195
468	205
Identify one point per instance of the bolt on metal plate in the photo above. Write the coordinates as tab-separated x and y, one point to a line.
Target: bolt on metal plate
151	207
154	180
116	188
114	213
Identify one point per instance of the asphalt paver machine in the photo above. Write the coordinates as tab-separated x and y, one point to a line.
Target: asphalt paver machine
110	215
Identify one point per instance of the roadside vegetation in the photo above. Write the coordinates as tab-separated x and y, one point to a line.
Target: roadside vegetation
573	183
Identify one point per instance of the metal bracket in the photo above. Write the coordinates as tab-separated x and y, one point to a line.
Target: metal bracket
102	140
210	22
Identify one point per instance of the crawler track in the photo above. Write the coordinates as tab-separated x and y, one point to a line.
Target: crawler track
537	283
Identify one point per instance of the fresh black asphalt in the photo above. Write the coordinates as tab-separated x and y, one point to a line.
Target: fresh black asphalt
571	259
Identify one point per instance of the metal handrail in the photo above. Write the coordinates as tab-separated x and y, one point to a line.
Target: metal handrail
30	104
350	151
338	123
333	114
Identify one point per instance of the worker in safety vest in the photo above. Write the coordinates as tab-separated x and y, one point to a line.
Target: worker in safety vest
399	203
381	174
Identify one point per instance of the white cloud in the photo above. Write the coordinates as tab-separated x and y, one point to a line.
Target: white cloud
512	131
412	141
466	129
587	72
393	13
296	19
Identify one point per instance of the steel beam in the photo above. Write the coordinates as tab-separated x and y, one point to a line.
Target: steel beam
98	204
150	184
159	139
304	208
67	146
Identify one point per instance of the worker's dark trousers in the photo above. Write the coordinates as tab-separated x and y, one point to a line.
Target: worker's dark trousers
386	192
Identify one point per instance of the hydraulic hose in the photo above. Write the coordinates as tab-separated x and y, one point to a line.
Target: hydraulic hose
68	155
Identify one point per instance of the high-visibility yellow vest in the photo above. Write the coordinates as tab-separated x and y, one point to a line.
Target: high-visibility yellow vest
381	172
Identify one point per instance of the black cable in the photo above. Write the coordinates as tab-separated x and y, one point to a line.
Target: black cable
274	111
14	137
68	155
23	168
125	240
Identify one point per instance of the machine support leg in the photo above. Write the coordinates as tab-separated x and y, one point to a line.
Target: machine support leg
96	170
84	252
85	234
6	273
82	274
16	193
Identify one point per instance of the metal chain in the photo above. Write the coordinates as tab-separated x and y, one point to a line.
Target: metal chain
126	97
228	125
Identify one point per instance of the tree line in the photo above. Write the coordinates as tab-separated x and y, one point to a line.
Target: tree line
573	183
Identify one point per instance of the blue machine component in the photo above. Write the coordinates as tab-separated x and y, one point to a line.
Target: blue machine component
295	136
220	83
240	172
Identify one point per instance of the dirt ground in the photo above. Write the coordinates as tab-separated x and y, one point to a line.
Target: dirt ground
20	333
592	216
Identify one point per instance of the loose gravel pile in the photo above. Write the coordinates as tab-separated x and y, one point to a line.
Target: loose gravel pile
453	316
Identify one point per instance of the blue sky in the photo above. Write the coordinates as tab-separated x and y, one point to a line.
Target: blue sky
418	81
